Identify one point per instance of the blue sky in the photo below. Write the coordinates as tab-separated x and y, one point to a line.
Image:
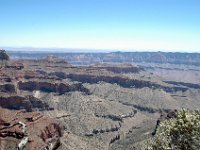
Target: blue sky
169	25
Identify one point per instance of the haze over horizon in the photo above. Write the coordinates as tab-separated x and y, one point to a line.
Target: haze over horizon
144	25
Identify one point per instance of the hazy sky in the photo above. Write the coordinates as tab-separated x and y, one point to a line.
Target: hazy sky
172	25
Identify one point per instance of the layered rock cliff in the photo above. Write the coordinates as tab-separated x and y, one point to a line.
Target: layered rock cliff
29	131
60	88
50	104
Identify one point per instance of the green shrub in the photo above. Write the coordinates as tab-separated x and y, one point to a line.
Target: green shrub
180	133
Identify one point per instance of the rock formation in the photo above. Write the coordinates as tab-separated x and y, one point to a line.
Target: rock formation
28	103
122	81
26	132
118	57
50	104
60	88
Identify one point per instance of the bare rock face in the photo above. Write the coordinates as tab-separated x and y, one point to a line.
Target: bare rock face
122	81
123	68
54	59
29	131
8	87
60	88
15	65
51	134
28	103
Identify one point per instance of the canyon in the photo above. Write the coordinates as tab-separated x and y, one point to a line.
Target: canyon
108	101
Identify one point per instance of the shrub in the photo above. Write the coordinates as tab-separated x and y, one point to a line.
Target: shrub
180	133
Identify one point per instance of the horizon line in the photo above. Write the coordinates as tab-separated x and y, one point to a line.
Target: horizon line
93	50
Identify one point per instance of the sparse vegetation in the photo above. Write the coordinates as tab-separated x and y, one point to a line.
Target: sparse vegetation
181	133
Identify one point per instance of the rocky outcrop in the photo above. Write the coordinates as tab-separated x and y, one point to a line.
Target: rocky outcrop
50	135
101	131
28	103
8	88
189	85
15	65
55	59
118	117
37	104
36	85
12	131
123	70
124	82
146	109
120	68
41	133
60	88
61	75
112	117
114	139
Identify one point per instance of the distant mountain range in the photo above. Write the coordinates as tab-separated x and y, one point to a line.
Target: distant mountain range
115	57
